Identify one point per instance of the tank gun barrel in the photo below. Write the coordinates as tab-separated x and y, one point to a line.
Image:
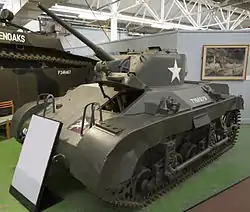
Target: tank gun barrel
100	53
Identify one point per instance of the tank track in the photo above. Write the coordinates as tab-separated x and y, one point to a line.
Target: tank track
121	199
8	54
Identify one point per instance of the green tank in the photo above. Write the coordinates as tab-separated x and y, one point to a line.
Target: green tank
140	129
32	64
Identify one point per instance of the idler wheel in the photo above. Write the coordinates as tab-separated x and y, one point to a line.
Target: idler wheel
143	181
20	119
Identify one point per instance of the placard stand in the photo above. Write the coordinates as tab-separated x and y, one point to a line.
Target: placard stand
28	183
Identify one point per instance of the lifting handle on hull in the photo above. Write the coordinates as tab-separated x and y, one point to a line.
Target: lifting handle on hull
92	119
47	96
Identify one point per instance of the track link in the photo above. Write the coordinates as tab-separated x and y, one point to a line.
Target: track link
163	189
8	54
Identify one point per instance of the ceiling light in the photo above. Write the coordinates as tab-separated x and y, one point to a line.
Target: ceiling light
163	26
81	13
173	26
93	17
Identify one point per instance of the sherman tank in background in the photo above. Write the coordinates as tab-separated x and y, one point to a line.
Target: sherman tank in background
140	129
32	64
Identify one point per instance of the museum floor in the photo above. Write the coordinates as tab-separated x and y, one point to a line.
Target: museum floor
230	168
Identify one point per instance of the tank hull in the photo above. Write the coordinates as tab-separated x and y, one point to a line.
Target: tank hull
109	157
122	148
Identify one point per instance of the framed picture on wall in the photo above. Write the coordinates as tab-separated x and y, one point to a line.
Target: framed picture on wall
224	62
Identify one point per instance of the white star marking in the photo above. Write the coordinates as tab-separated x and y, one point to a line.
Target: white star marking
175	71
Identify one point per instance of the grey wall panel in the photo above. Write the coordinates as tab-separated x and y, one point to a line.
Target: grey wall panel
190	43
165	40
95	35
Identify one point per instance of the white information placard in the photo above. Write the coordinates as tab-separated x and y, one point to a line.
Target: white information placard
34	158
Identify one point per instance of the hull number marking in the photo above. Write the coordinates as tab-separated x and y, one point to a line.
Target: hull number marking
64	72
198	99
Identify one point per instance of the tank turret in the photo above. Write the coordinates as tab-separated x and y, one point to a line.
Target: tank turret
137	69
